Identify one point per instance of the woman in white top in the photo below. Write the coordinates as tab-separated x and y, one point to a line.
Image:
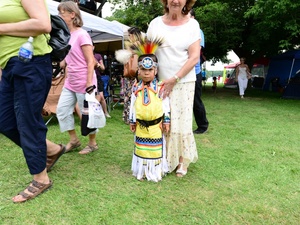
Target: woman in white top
242	76
177	57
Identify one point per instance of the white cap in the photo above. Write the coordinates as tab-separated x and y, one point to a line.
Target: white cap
30	39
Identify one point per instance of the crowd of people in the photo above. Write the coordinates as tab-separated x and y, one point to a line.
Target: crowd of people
166	83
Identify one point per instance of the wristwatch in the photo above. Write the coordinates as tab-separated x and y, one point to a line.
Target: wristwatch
177	78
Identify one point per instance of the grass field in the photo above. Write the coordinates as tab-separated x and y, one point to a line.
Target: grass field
248	172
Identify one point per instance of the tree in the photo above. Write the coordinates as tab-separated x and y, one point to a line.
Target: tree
136	13
251	28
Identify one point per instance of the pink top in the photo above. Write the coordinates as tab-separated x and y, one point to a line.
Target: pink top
76	63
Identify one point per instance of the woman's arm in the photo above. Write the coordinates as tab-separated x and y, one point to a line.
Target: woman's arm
193	58
38	23
237	72
90	60
100	65
248	70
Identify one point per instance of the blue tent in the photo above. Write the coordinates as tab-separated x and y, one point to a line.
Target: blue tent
282	68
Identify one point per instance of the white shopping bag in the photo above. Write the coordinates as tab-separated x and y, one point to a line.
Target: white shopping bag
97	118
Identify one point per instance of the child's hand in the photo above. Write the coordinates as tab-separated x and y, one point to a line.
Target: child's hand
132	127
166	128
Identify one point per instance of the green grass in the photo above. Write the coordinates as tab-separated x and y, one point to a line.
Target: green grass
248	172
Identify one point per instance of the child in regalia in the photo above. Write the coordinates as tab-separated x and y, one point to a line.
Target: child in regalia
149	117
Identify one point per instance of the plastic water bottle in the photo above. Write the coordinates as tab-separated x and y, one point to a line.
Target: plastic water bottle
26	51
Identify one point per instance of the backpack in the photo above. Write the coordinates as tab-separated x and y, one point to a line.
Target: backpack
59	38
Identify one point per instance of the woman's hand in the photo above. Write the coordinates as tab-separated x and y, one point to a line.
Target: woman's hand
132	127
168	86
166	128
90	88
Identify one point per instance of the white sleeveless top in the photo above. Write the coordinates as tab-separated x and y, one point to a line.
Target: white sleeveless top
243	72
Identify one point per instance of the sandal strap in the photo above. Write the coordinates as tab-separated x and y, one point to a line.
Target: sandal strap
25	195
89	149
35	188
93	148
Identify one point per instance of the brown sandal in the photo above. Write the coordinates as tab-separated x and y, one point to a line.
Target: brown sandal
73	145
88	149
35	188
51	160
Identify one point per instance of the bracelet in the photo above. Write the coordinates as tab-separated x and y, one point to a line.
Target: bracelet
177	78
90	88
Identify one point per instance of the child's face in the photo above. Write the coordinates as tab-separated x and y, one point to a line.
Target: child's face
147	74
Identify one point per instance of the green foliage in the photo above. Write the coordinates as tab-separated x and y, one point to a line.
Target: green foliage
280	19
138	13
251	28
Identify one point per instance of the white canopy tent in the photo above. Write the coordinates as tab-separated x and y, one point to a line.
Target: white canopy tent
107	36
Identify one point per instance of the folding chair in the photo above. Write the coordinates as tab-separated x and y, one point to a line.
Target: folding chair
58	81
118	98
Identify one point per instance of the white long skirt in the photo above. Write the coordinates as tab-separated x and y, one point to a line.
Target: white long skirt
180	140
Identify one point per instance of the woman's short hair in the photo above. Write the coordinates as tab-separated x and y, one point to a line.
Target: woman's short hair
134	31
71	6
186	9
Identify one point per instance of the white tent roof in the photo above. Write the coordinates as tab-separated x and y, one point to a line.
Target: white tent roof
100	30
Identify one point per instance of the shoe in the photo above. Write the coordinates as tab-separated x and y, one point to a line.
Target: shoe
242	96
72	145
200	131
51	160
180	172
107	115
33	189
88	149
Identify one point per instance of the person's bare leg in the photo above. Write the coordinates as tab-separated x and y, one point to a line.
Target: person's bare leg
181	170
92	139
77	110
41	178
54	152
52	148
92	145
74	141
103	104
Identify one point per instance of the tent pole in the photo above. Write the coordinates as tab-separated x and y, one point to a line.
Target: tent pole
291	70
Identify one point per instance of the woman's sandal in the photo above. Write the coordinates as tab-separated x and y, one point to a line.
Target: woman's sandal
72	145
51	160
88	149
180	172
34	189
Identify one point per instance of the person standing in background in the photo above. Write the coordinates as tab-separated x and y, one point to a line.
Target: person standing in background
134	36
214	85
177	58
24	88
199	108
99	67
80	76
242	76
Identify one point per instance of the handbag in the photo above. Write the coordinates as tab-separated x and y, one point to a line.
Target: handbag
131	67
85	130
59	38
92	115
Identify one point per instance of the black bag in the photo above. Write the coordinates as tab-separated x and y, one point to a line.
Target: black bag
85	119
59	40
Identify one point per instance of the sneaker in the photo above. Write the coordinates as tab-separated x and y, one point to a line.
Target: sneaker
107	115
200	131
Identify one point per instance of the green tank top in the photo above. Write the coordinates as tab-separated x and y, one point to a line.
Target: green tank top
12	11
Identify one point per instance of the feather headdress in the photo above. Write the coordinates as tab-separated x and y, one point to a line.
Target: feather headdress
146	46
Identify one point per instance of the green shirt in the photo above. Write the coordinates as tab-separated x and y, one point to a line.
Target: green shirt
12	11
